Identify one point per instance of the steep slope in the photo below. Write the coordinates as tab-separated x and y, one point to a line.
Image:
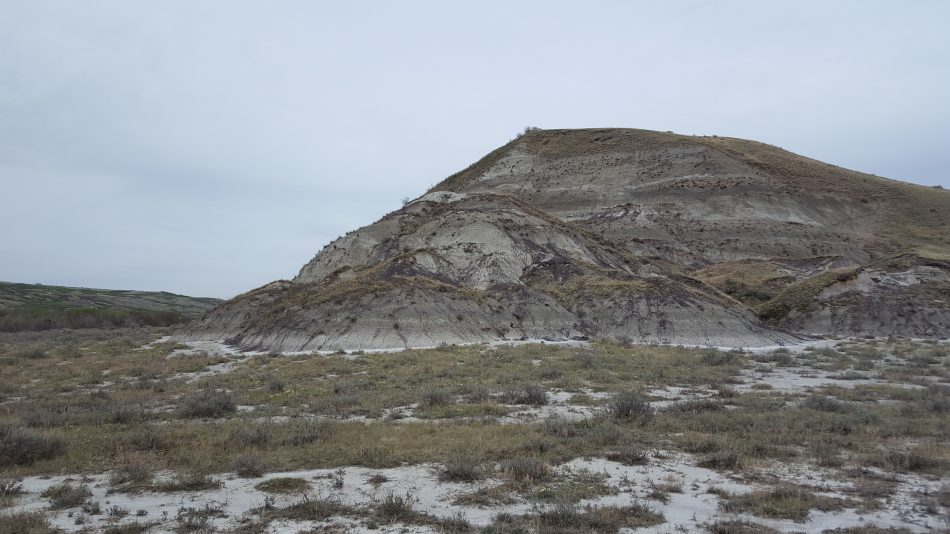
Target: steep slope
906	295
625	234
710	198
453	268
42	307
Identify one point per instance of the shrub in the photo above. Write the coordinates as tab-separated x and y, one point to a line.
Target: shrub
70	351
908	460
377	479
695	406
629	406
312	509
395	509
718	357
188	482
532	394
304	432
455	523
34	353
208	403
822	403
547	372
600	431
247	466
19	446
92	508
943	496
283	485
97	408
848	375
585	360
461	469
196	519
526	470
252	435
625	342
560	516
128	528
721	460
827	454
10	487
275	385
936	400
540	445
787	502
129	476
559	427
697	443
435	398
739	526
726	392
119	415
117	511
144	439
627	455
20	522
780	357
66	495
565	518
477	394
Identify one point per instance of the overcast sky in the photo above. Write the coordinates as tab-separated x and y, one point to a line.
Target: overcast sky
210	147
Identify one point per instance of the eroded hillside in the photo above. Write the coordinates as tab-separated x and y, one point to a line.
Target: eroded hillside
621	234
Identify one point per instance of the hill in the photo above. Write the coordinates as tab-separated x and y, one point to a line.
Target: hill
623	234
43	307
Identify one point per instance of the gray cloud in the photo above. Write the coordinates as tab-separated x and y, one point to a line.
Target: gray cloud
210	147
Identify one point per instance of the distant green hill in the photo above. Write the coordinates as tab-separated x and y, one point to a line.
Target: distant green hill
42	307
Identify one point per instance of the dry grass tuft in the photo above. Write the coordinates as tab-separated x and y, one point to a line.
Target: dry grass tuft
19	446
786	502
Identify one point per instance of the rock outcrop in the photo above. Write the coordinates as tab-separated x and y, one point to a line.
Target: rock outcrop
621	234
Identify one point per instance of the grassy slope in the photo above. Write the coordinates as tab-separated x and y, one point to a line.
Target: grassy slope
60	297
41	307
914	218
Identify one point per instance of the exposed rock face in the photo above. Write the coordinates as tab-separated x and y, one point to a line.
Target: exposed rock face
623	234
905	296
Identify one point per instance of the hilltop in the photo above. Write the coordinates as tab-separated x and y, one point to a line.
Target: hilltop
624	234
43	307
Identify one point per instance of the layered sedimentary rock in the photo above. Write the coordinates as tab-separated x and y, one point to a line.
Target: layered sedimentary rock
620	234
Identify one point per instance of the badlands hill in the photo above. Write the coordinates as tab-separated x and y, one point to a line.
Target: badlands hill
622	234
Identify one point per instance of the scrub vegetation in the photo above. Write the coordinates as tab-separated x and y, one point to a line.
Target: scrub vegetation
37	307
502	421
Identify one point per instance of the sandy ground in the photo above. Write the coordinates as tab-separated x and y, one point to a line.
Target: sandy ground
688	509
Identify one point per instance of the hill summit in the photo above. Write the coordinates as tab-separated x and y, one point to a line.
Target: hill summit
623	234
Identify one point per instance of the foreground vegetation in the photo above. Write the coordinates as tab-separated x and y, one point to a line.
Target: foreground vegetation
96	401
37	307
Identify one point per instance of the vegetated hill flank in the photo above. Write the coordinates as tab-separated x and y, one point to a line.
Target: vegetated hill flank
43	307
625	234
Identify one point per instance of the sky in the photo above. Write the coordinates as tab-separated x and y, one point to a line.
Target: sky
208	148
